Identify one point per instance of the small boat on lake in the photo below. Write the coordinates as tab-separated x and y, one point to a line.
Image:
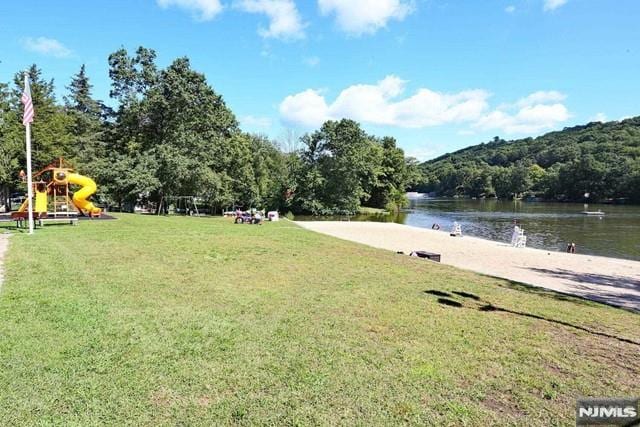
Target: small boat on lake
593	213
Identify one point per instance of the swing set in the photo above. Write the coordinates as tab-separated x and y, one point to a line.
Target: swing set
186	204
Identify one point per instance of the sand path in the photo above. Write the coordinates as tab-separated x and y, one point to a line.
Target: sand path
610	280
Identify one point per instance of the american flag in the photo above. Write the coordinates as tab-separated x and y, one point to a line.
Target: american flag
28	104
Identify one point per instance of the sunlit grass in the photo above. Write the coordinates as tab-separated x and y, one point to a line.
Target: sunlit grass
197	321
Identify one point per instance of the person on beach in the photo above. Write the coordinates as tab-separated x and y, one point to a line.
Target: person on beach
571	248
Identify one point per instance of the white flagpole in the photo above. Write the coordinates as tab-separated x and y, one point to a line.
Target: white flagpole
29	181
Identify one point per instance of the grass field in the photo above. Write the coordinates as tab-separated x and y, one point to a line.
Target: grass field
195	321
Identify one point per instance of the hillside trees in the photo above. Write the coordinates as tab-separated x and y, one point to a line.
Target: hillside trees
598	158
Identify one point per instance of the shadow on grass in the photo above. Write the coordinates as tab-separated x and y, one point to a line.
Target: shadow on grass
486	306
449	302
590	278
438	293
467	295
608	299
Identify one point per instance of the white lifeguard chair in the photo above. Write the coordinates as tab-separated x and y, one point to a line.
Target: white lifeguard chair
456	231
518	239
515	235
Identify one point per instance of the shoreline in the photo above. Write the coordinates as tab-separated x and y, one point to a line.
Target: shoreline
562	202
506	244
614	281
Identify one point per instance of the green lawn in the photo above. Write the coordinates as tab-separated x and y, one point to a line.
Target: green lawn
195	321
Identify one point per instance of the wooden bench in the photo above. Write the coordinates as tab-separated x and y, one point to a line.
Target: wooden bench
73	220
22	221
424	254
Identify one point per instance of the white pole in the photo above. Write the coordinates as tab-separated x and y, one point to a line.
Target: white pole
29	182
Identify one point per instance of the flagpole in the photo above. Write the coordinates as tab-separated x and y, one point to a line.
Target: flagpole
29	181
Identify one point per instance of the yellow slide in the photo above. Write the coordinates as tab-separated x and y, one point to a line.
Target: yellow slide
80	197
41	200
40	205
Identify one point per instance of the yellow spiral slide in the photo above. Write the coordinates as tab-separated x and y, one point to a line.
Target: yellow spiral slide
80	197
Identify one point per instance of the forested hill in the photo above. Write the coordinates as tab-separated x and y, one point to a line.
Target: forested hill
602	159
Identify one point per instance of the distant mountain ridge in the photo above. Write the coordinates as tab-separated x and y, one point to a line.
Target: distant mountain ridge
590	162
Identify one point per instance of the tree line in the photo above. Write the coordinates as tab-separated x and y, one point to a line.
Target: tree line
171	134
594	162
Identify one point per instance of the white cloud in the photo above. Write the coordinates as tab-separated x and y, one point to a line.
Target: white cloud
541	97
255	121
423	153
510	9
550	5
532	114
203	10
382	104
311	61
600	117
46	46
307	109
359	17
284	19
378	104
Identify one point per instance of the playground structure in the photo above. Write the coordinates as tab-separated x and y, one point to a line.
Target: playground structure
53	199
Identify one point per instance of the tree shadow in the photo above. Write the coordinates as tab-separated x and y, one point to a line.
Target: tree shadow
8	225
466	295
437	293
490	307
449	302
591	278
485	306
583	295
590	286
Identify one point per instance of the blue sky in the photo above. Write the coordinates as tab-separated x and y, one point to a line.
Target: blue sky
438	75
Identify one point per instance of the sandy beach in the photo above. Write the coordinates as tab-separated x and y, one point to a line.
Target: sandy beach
610	280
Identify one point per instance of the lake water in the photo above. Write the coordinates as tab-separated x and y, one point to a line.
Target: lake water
547	225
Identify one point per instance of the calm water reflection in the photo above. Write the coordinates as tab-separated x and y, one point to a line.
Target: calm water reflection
547	225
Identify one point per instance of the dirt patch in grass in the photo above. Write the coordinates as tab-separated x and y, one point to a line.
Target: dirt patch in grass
503	405
619	357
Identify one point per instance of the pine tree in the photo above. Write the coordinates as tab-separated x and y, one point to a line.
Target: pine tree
51	128
87	115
